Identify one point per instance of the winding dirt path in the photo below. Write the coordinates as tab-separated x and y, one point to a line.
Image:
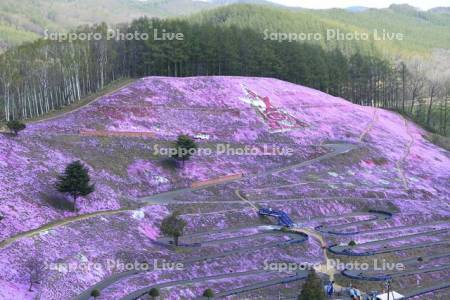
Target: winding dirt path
115	278
400	163
324	267
58	223
370	126
350	250
243	198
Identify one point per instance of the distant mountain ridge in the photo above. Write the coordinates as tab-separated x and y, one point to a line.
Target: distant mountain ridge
227	2
26	20
357	8
441	10
421	31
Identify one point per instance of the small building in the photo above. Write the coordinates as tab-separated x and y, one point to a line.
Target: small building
392	296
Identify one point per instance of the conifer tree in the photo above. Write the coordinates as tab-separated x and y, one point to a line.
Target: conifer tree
313	288
208	293
184	146
15	126
75	181
154	293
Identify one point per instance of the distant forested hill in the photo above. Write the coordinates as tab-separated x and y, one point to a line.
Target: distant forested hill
422	30
26	20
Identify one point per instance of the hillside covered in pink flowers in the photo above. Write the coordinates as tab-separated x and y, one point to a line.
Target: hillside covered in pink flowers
390	165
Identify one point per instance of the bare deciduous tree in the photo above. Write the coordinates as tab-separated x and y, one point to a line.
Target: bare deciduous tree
36	271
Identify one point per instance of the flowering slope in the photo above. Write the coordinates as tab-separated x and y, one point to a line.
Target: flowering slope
116	137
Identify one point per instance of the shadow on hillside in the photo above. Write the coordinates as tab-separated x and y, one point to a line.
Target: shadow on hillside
56	200
169	164
7	134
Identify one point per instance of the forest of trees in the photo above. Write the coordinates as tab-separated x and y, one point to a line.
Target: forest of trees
42	76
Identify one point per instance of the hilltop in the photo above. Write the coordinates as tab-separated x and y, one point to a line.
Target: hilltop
346	162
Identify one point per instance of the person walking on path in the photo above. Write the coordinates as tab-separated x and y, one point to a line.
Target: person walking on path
330	289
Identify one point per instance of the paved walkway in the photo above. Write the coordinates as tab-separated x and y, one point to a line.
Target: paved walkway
349	250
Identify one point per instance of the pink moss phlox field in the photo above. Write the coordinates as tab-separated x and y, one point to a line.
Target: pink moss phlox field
394	168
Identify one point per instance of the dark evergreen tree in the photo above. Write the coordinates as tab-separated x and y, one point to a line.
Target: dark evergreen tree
185	147
312	288
173	226
337	72
15	126
95	293
208	293
75	181
154	293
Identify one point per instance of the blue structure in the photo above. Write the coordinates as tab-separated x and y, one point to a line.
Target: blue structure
282	217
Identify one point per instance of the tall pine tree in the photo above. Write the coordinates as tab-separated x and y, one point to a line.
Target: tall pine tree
313	288
75	181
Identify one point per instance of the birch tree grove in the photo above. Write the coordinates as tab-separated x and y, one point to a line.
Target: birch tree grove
47	75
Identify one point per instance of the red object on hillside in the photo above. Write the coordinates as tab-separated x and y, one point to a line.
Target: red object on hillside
276	118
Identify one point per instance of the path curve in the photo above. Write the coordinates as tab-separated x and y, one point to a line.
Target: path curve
59	223
349	250
295	239
370	126
299	276
377	215
357	275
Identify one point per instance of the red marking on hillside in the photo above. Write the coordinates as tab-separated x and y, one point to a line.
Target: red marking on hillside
277	119
106	133
217	180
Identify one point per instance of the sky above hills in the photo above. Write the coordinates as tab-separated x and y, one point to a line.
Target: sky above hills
367	3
